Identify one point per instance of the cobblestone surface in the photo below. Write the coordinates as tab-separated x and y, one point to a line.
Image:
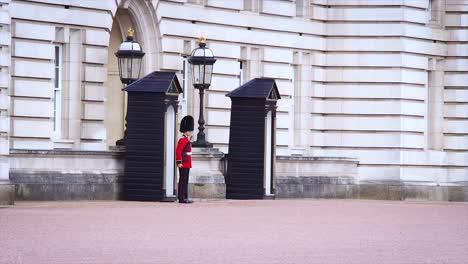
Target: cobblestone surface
227	231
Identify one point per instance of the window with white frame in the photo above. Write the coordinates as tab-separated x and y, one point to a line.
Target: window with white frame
185	84
57	90
241	72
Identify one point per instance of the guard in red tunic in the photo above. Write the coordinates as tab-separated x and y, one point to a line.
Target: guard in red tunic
184	158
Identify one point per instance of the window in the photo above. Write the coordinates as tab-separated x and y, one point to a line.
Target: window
185	76
57	90
241	72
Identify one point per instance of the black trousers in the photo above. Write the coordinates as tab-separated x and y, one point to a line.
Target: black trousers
182	190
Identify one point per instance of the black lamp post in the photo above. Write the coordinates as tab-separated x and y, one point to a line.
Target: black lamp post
129	56
202	60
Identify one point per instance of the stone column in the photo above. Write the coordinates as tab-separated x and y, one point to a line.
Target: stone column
7	189
302	103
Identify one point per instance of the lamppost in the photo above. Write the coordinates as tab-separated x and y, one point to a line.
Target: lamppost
129	57
202	60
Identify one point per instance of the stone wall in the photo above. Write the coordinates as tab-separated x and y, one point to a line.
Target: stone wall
66	175
382	82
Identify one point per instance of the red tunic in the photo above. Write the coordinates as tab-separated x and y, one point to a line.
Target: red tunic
186	159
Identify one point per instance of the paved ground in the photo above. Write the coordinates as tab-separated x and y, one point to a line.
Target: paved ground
227	231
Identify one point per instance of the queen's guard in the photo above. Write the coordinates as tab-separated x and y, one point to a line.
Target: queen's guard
184	158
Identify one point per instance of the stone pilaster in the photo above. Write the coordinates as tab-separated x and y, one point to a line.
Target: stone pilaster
7	189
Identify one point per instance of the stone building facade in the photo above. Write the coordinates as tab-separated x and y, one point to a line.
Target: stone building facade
374	92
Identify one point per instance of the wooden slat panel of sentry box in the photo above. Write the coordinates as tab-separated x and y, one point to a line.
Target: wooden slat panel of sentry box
246	149
144	159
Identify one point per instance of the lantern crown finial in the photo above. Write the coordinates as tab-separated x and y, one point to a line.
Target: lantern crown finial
202	40
130	32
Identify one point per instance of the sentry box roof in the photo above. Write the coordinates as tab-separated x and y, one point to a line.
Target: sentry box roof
257	88
156	82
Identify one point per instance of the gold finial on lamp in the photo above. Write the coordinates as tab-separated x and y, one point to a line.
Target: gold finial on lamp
202	39
130	32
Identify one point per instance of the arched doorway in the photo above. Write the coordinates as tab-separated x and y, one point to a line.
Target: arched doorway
139	15
115	100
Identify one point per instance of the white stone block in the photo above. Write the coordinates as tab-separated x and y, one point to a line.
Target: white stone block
359	60
93	130
371	140
456	126
344	90
418	46
365	14
104	5
218	118
456	95
224	66
224	83
225	50
233	34
95	73
413	76
4	122
283	120
31	30
5	57
456	20
18	143
217	100
284	105
370	123
358	29
284	87
5	38
4	17
4	100
243	19
33	88
237	5
4	79
172	62
458	64
22	128
217	134
368	107
93	146
94	92
456	142
411	3
32	108
426	175
282	137
457	49
94	111
33	69
277	55
277	71
36	50
452	110
96	37
96	55
4	150
458	35
457	175
58	14
357	44
282	8
173	45
456	79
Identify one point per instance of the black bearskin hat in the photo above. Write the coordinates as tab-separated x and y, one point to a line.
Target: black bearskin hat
186	124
